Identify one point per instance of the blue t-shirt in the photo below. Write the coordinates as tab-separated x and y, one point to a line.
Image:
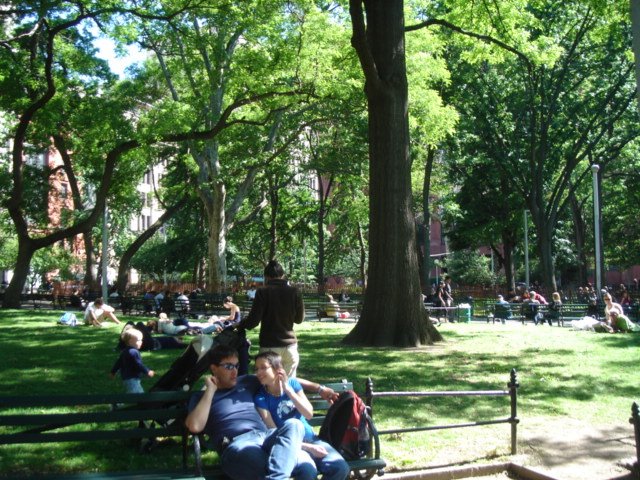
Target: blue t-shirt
282	408
232	411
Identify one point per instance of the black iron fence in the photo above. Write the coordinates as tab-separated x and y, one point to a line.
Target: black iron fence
512	419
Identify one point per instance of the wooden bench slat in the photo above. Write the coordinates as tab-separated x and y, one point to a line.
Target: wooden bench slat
47	437
91	417
108	399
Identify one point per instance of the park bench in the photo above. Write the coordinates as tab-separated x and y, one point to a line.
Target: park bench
36	301
352	309
84	418
446	314
361	469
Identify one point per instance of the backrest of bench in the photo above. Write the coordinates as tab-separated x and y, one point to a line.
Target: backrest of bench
66	418
321	406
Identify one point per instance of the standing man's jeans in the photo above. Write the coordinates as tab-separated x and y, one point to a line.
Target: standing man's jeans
270	455
289	355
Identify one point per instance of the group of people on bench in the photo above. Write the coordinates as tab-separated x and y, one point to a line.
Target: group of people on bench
531	302
257	422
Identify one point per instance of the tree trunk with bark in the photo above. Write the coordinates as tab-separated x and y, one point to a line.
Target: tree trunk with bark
545	250
393	313
579	232
216	240
508	243
125	260
426	189
20	274
363	257
90	280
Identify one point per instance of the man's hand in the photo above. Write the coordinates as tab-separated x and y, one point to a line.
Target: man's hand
328	394
316	451
211	383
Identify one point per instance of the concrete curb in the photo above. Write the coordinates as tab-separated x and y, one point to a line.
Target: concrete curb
469	472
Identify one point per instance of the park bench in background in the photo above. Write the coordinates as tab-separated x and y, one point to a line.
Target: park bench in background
83	418
352	309
361	469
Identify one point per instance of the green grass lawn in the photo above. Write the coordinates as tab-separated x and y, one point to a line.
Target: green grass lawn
587	376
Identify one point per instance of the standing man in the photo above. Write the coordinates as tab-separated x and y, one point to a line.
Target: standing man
277	307
448	298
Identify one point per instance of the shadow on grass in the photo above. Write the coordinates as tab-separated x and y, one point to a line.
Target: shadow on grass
560	372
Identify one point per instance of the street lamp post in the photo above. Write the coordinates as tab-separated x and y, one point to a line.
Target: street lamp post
526	248
105	254
596	221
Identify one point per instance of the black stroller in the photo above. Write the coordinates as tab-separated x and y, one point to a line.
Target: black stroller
185	371
194	362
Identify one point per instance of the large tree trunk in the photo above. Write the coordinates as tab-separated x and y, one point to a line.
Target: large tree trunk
20	273
393	313
507	252
125	260
579	231
363	257
635	44
216	237
274	200
89	279
545	243
323	196
426	189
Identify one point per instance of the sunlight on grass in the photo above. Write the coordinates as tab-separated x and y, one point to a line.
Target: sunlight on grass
581	375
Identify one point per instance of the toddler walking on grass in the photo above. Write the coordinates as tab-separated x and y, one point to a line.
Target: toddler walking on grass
130	364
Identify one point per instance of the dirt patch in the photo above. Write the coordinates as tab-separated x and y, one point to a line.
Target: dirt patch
556	448
571	449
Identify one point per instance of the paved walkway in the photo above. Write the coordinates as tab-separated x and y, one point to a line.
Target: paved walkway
570	449
558	449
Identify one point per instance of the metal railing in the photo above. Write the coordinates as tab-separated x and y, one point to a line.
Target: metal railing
635	421
512	392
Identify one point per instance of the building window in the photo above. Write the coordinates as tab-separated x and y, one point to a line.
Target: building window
64	190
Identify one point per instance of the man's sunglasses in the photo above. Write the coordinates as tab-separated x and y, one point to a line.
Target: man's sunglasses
230	366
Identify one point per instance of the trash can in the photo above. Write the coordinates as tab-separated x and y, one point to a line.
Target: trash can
464	312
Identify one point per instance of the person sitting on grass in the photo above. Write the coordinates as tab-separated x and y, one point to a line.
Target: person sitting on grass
129	363
280	398
97	311
615	317
217	324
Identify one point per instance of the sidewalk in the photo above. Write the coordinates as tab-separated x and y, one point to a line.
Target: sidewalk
570	449
558	449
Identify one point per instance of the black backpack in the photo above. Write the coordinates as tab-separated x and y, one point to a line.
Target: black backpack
348	427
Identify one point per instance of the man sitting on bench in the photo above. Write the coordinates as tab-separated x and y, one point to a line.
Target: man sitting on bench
502	309
226	412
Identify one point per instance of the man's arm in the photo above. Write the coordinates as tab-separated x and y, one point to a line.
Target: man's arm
299	307
325	393
255	314
197	418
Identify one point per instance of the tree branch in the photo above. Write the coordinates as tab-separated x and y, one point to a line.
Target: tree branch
484	38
